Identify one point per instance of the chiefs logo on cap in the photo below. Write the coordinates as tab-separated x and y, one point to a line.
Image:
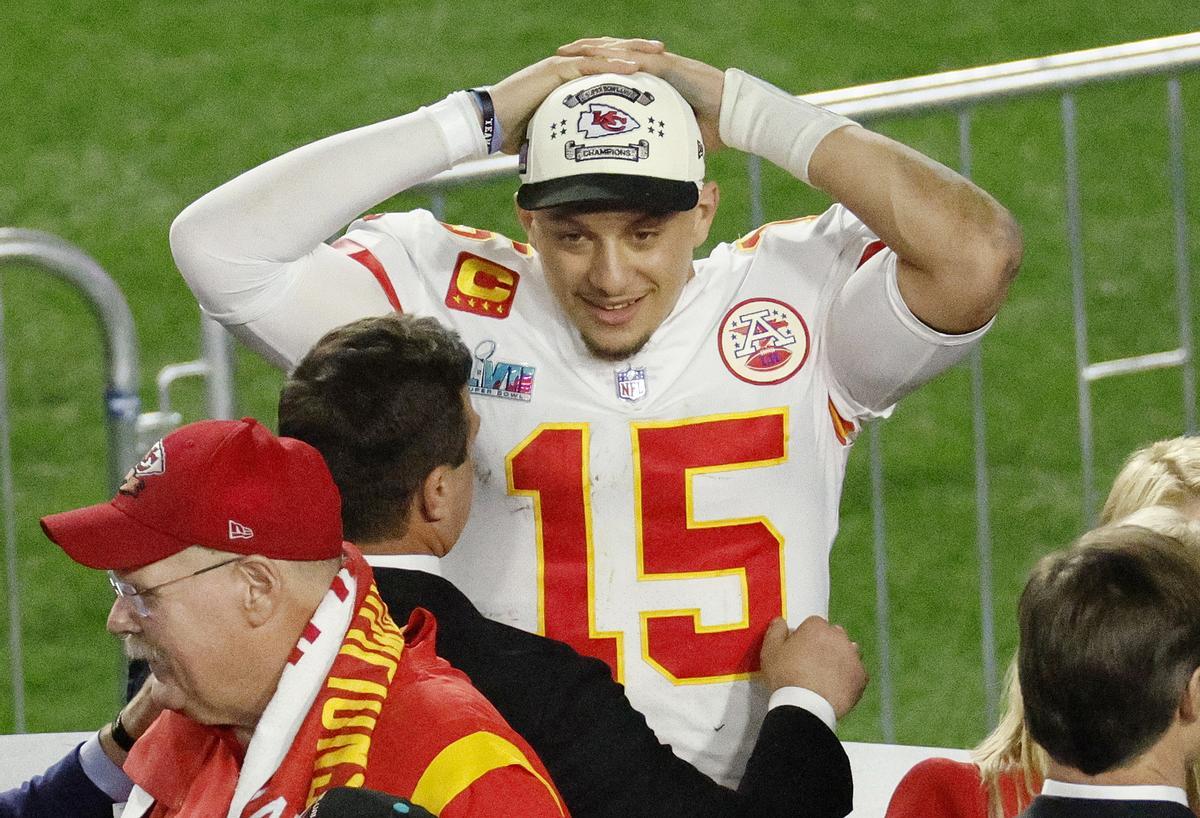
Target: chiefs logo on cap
154	463
482	287
604	120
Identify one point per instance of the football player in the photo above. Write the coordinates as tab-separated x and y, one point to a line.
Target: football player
664	438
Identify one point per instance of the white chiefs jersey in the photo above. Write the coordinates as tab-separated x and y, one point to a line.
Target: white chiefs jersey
659	512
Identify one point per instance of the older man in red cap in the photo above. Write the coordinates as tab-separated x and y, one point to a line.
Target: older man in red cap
284	673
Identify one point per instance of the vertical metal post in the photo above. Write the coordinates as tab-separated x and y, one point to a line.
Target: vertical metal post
983	524
1079	306
883	628
437	204
121	402
216	348
754	177
1183	281
16	656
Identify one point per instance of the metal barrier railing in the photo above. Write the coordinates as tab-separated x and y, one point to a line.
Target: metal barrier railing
121	402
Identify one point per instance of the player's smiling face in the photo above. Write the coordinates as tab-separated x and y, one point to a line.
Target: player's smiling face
618	273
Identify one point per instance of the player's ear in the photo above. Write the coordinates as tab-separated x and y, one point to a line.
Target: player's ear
705	211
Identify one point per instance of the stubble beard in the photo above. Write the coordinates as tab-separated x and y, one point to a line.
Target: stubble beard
614	354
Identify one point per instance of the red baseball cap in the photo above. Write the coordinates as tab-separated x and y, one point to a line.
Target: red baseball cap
230	485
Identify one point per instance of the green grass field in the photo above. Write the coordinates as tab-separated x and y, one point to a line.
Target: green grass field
117	115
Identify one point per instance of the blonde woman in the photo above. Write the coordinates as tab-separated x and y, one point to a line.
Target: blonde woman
1158	488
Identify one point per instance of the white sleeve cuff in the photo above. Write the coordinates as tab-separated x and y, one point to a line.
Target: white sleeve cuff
807	699
458	118
100	769
758	118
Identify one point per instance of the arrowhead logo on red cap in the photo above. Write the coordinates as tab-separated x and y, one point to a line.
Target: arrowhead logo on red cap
152	464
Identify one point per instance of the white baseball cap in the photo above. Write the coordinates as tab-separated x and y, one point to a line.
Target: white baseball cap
628	139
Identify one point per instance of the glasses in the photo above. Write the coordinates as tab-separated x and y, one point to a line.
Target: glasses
137	598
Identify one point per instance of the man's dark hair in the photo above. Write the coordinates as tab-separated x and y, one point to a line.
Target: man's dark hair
1110	637
381	400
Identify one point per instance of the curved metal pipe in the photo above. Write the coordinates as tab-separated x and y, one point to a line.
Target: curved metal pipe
108	304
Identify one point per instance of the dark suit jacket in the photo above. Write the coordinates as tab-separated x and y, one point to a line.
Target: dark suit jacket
63	790
604	758
1053	806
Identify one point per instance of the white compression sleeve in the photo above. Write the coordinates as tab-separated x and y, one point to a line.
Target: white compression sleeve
233	244
758	118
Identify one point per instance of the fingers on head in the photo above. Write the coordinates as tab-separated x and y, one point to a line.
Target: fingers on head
625	44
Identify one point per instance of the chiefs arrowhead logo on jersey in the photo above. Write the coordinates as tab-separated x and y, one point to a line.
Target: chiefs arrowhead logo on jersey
604	120
482	287
763	341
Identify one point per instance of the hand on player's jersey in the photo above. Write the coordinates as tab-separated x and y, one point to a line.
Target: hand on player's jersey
818	656
699	83
518	95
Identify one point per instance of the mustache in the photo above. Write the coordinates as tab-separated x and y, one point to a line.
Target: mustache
135	649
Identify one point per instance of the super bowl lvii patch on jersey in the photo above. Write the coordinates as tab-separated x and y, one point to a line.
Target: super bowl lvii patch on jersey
499	379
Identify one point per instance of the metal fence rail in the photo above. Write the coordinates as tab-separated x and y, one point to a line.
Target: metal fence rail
121	402
961	91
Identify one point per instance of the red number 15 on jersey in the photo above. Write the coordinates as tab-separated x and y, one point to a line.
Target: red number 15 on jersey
551	466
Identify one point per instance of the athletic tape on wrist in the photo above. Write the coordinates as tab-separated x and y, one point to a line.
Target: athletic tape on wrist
758	118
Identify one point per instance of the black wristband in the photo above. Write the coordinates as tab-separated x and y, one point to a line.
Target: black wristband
120	735
491	129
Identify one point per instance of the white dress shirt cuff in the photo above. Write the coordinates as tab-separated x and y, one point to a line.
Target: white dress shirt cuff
807	699
100	769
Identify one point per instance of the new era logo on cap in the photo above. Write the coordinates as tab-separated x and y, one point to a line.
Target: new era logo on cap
237	531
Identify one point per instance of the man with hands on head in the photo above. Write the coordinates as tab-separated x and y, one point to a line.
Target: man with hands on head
384	400
88	780
664	439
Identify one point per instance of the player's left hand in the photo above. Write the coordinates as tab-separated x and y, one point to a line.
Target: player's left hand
699	83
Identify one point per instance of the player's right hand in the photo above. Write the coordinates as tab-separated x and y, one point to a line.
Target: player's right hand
818	656
518	95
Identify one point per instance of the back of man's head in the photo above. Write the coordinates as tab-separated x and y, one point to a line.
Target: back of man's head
382	400
1110	638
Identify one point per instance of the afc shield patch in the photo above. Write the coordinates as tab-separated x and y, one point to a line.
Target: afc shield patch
482	287
763	341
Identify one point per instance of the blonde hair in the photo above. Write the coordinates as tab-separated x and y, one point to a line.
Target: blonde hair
1009	749
1166	473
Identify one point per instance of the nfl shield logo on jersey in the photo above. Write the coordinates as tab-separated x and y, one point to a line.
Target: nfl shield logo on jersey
631	383
763	341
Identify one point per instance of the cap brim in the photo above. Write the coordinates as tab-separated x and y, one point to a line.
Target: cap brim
627	191
104	537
